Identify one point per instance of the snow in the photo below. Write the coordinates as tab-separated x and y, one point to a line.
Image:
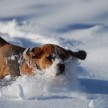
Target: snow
72	24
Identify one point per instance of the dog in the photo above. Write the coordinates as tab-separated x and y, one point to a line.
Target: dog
17	61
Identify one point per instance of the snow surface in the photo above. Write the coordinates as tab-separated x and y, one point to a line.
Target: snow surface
72	24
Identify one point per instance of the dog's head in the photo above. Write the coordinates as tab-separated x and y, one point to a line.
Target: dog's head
50	55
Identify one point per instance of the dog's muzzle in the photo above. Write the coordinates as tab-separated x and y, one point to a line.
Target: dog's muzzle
61	68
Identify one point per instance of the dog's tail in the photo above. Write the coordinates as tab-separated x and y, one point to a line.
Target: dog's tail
2	42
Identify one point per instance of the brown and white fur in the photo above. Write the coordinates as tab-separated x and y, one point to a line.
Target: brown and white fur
16	60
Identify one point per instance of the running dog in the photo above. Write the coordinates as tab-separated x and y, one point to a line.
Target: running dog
17	61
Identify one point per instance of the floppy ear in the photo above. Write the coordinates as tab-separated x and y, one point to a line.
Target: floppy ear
80	54
37	52
65	54
33	54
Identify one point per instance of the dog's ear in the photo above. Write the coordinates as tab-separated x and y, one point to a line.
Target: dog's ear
33	54
37	52
66	54
80	54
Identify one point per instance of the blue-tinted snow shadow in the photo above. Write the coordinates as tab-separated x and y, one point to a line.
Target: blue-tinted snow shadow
68	42
50	97
94	86
72	27
18	18
24	42
83	72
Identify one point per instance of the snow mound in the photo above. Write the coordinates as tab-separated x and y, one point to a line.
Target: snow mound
17	31
32	87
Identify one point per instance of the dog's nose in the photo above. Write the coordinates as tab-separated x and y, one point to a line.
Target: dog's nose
61	68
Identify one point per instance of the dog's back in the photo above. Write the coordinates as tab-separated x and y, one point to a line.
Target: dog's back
9	58
2	42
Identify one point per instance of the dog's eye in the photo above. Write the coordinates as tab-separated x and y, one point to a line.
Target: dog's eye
50	57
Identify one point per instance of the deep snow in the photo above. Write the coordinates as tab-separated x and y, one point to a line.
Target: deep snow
72	24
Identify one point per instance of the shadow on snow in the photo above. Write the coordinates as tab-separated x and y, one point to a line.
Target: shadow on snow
72	27
94	86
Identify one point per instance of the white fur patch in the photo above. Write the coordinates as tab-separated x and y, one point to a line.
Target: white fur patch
52	70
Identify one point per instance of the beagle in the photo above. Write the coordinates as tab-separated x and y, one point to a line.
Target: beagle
16	60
